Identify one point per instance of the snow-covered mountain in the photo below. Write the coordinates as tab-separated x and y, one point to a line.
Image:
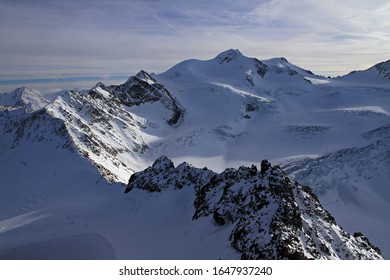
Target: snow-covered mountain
22	98
232	67
377	74
231	110
97	123
383	69
267	215
353	183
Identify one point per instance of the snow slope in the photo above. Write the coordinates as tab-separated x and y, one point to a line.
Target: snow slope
103	124
353	183
27	99
268	215
276	113
223	112
67	211
377	75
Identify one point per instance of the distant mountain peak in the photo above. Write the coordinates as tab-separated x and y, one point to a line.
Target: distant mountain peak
380	72
100	85
143	76
284	59
146	77
22	98
383	69
228	55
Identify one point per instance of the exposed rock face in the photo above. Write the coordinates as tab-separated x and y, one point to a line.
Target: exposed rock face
23	115
383	69
261	67
39	126
98	123
142	88
272	217
227	56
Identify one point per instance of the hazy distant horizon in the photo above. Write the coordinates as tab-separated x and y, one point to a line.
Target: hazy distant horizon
73	40
51	85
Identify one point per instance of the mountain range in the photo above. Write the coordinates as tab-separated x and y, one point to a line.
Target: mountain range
64	164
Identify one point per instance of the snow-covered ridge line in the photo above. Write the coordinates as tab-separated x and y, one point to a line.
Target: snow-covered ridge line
223	112
22	98
272	217
353	184
97	123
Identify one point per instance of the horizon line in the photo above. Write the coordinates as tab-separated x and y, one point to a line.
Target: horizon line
64	80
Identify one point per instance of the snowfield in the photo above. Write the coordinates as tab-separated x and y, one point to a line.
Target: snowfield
64	162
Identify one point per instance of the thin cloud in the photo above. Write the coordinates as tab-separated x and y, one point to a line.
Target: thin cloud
67	39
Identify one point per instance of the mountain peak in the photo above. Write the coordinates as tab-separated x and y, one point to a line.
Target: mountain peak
162	163
23	97
379	73
228	55
283	59
24	92
383	69
145	76
272	217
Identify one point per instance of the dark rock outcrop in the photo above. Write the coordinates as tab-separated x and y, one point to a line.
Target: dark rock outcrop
271	216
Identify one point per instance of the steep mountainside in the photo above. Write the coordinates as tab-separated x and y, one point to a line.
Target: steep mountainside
353	184
379	74
272	217
22	98
97	123
383	69
225	112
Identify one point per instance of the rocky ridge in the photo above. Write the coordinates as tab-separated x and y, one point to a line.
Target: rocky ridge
383	69
97	123
272	217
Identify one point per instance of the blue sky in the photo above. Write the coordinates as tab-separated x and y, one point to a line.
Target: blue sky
52	41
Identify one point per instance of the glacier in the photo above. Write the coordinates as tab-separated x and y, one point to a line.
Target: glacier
64	163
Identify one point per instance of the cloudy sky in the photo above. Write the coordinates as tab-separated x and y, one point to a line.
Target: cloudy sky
82	41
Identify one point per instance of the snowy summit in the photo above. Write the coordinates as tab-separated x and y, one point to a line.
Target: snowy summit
64	164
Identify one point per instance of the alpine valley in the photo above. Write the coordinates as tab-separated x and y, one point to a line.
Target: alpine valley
227	158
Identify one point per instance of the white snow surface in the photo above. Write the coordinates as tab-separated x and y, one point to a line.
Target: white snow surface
67	211
22	98
56	158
